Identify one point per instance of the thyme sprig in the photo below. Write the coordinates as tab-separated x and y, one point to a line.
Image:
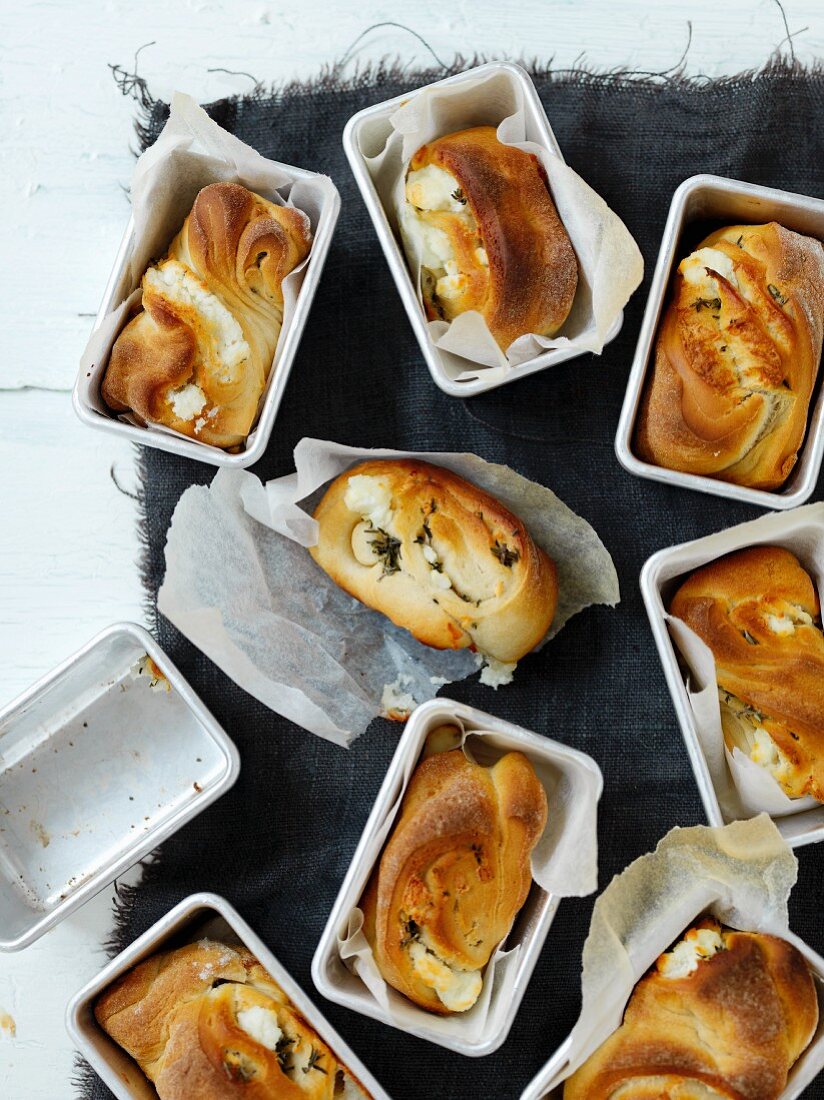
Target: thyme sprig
706	303
314	1058
776	294
504	555
387	548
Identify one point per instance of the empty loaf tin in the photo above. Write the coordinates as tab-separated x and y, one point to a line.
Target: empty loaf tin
364	133
808	1066
101	760
193	918
329	973
661	576
88	403
720	201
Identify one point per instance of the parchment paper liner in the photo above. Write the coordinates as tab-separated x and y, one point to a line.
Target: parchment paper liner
191	152
564	863
610	266
741	873
742	787
241	586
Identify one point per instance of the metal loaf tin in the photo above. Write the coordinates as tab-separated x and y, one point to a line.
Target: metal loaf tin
721	201
330	975
196	916
369	129
660	577
808	1066
96	769
120	287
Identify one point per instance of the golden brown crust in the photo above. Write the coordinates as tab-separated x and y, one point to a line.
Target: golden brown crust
238	247
530	280
735	1025
734	605
456	869
179	1014
736	358
504	610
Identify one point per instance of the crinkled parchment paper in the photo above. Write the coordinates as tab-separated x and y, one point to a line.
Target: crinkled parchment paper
610	266
191	152
742	787
240	584
742	873
564	863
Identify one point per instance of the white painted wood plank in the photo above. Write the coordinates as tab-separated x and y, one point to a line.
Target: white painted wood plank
68	547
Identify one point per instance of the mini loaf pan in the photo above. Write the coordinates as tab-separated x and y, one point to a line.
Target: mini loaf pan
100	761
710	202
367	129
532	924
197	916
808	1066
88	405
660	577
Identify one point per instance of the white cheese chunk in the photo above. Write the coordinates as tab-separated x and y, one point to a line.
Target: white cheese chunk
175	282
369	497
780	624
693	268
497	673
433	188
187	402
458	990
767	754
261	1024
698	944
440	579
430	554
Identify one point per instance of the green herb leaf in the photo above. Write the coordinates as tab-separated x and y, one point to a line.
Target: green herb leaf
314	1058
504	555
706	303
387	548
459	196
776	294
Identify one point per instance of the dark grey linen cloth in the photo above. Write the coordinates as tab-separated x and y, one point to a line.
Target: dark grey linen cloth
278	845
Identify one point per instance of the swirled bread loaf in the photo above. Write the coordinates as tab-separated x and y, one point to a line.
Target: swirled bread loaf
197	356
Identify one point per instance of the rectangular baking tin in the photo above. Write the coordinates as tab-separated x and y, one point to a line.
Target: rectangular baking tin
443	365
193	918
330	975
96	769
119	288
660	577
808	1066
724	201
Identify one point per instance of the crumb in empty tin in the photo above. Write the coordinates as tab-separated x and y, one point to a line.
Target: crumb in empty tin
145	666
197	787
8	1028
41	834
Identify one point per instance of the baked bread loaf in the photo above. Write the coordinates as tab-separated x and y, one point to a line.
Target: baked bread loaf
437	556
479	217
758	612
723	1014
197	356
453	875
207	1022
736	357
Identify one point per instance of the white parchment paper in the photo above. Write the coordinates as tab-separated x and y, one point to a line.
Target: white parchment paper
610	266
741	873
742	787
240	584
564	863
191	152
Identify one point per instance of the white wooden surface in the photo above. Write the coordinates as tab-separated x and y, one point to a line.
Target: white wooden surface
68	542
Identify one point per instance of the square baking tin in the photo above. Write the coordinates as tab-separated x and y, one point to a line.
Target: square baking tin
715	199
197	916
329	973
99	763
86	394
808	1066
660	577
364	133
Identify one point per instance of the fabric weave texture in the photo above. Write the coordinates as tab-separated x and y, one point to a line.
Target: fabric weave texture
278	844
